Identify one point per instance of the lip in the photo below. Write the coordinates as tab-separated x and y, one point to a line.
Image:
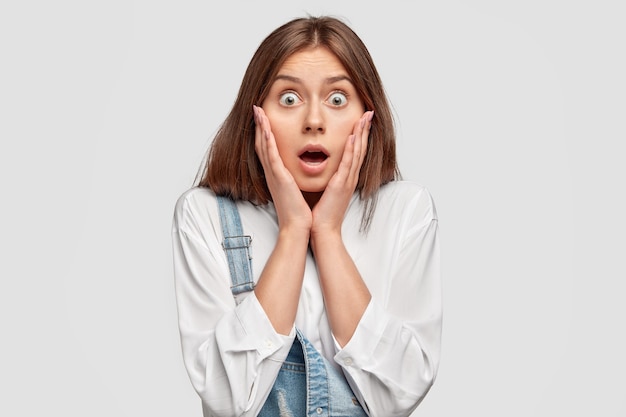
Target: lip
313	159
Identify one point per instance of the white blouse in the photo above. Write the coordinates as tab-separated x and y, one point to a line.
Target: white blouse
233	354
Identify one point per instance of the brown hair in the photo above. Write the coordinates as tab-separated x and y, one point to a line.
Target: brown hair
232	167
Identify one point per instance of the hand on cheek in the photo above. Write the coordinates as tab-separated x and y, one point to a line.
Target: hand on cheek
291	208
329	212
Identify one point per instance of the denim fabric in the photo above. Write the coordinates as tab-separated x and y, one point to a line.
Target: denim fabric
307	384
292	379
236	245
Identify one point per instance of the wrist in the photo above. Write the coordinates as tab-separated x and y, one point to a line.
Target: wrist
327	238
326	231
294	234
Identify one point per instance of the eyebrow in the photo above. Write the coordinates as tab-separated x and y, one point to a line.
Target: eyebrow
329	80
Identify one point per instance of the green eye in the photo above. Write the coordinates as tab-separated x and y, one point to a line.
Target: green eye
289	99
338	99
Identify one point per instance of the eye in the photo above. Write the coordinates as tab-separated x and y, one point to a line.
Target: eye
289	99
338	99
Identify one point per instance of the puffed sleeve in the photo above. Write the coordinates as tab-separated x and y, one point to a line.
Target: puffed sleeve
231	352
392	358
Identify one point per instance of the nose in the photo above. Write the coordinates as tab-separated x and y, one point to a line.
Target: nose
314	120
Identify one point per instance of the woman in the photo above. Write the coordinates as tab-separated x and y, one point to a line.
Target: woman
318	291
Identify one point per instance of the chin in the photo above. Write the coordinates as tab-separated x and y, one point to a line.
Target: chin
311	188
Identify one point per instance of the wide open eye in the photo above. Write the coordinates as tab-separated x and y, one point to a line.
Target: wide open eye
289	99
338	99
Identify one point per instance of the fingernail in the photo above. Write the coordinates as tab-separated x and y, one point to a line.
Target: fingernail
352	137
371	116
362	123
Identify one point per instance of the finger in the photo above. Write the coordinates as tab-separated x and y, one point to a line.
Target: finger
263	145
267	141
257	133
365	136
259	143
273	156
265	121
269	144
357	152
346	171
275	161
343	171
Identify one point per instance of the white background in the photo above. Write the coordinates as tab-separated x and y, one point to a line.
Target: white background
510	112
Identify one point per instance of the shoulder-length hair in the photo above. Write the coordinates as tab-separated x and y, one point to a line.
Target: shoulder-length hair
232	167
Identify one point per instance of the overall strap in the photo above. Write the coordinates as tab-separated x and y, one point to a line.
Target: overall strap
236	245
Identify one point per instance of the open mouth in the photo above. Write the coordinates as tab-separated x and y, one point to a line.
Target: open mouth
313	157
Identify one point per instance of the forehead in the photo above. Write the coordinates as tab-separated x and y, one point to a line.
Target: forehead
312	61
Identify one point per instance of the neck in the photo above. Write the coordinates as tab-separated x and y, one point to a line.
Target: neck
311	198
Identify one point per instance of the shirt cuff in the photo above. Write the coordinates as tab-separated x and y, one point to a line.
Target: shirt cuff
359	350
259	332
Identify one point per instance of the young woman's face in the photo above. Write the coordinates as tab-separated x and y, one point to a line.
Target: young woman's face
312	107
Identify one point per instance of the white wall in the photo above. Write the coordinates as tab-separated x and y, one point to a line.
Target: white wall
510	112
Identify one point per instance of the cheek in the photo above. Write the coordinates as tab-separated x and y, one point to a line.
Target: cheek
349	125
280	121
280	131
345	125
284	137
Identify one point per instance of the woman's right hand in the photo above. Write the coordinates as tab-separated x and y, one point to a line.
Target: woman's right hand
292	210
279	285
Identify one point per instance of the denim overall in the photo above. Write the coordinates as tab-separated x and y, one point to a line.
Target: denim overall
307	384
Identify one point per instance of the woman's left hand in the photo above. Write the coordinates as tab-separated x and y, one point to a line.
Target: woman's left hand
329	212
